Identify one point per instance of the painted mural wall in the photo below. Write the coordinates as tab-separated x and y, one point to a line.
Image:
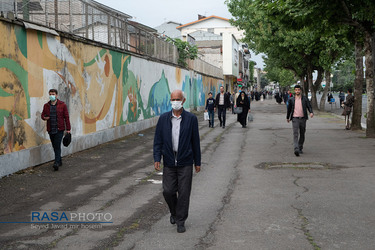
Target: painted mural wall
103	88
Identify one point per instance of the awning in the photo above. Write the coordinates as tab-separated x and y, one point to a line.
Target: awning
40	28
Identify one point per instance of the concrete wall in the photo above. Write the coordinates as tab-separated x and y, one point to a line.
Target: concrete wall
109	93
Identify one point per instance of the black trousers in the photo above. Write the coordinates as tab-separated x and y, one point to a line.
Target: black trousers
176	190
221	113
56	144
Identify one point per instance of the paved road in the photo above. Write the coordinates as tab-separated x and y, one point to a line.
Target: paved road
252	192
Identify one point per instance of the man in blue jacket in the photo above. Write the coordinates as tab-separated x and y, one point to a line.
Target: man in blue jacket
177	140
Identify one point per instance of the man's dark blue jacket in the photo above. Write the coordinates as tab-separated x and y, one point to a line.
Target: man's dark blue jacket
189	149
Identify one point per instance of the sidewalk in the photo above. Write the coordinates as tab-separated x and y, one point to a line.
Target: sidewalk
252	192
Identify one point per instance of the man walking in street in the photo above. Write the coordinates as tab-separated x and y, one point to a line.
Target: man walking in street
177	140
222	103
210	108
55	112
297	113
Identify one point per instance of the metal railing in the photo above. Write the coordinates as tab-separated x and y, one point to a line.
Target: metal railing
94	21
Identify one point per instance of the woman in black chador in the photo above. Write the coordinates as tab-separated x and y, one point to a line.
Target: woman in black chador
244	102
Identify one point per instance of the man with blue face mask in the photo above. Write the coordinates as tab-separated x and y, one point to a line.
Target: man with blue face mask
55	112
177	141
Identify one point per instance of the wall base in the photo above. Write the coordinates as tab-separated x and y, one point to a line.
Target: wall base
13	162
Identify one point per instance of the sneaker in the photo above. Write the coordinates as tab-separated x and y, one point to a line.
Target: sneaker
296	152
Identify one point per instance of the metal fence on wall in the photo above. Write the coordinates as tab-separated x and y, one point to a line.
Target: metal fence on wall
94	21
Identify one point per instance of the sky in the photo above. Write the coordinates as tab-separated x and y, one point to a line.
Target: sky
155	12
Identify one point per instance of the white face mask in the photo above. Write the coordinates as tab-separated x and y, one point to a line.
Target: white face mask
176	105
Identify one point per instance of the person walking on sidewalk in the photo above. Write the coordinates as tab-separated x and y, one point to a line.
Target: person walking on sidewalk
222	103
297	113
177	141
348	104
232	101
244	102
210	108
55	112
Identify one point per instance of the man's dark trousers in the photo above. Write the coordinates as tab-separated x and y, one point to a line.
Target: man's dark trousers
299	128
56	144
221	112
176	190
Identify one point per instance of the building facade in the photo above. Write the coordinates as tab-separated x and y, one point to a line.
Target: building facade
219	43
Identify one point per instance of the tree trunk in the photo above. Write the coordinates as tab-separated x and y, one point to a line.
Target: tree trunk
358	86
314	103
325	91
305	86
370	122
314	86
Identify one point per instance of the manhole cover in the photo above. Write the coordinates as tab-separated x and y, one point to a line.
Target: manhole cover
297	166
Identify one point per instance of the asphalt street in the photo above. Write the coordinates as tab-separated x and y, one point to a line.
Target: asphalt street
252	192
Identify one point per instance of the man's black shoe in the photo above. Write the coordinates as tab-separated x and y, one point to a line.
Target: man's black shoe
181	229
296	152
224	126
172	219
300	151
56	166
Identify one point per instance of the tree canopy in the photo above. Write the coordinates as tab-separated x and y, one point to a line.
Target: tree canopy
274	30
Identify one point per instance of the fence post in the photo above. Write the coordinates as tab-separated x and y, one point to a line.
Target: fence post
115	29
70	17
56	14
109	29
126	36
92	24
87	20
15	8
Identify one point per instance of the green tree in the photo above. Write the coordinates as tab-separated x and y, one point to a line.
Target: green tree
185	50
263	81
356	14
298	48
344	75
251	71
284	77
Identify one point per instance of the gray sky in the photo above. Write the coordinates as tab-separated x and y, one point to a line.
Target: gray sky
155	12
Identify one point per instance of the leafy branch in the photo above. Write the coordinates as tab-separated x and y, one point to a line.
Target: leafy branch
185	50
